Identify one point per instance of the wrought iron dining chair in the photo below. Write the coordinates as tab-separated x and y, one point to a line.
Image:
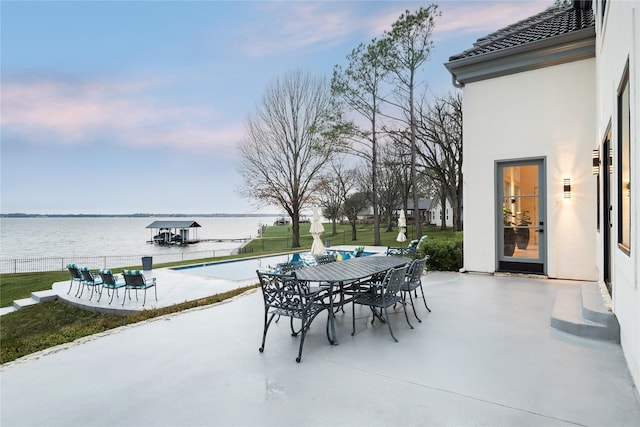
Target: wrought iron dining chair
288	267
413	281
135	280
90	280
410	251
381	297
76	276
325	259
285	295
400	251
110	283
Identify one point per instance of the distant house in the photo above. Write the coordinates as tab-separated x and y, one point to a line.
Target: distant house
437	213
282	221
423	211
551	129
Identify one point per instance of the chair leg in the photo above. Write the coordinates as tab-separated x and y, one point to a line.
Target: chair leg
406	316
353	318
124	297
413	306
304	330
294	333
70	286
80	289
328	333
424	299
386	315
266	328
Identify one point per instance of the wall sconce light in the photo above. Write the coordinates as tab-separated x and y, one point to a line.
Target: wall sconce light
595	161
567	188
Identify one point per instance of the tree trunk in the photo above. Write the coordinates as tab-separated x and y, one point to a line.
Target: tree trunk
295	228
443	210
353	231
374	173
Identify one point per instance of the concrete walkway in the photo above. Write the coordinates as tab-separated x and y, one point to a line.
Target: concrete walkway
486	355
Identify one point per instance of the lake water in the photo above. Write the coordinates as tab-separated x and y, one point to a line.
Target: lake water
107	236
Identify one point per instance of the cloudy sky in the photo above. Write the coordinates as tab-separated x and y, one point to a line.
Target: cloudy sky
126	107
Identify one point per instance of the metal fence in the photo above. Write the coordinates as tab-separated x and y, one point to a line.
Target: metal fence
31	265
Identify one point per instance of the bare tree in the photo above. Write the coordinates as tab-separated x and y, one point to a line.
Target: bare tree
392	169
285	147
358	88
336	184
439	131
397	159
408	47
354	203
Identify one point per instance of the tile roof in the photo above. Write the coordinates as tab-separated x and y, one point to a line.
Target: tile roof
549	23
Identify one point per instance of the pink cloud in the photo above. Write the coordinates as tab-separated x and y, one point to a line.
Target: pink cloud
295	26
468	17
49	111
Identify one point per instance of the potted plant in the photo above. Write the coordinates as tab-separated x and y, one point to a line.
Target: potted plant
509	232
523	221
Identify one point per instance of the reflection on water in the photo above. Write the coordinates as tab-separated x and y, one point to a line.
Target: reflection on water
44	237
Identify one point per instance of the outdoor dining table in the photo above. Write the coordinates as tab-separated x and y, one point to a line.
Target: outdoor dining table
351	270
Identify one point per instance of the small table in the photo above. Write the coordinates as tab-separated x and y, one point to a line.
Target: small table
350	270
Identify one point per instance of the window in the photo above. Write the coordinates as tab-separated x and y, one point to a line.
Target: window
624	164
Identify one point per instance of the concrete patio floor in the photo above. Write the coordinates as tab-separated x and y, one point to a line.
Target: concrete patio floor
486	355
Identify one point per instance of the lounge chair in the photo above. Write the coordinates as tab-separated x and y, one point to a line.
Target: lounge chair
76	276
136	280
110	282
90	280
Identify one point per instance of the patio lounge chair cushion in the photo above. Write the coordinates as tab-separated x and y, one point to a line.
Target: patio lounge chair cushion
134	279
89	280
109	281
76	276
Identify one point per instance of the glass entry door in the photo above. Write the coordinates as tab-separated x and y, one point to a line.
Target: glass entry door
520	217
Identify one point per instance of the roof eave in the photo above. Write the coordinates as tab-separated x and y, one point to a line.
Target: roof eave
564	48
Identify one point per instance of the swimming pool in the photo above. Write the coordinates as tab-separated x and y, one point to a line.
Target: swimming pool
243	269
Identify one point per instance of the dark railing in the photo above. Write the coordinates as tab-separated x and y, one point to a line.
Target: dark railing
30	265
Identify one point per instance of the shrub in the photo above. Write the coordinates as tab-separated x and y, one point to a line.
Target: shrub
444	255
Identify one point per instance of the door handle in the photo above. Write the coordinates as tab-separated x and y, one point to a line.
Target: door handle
609	216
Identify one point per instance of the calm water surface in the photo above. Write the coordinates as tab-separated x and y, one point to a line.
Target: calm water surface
45	237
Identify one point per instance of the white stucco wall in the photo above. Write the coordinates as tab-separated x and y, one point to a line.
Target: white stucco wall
618	42
546	113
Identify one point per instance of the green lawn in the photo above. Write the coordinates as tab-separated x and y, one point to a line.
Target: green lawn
278	238
42	326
